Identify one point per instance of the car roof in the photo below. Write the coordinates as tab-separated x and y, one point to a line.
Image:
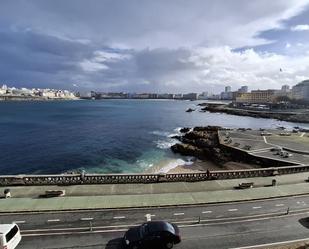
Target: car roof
157	226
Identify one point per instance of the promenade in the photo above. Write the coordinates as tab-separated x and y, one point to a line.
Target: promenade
105	196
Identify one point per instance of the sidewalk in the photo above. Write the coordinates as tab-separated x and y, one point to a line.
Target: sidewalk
147	195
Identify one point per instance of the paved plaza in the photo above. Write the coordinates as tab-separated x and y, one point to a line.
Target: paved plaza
263	143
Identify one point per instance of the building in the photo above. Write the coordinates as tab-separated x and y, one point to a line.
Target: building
228	89
243	89
178	96
301	91
190	96
257	97
203	96
227	95
3	89
284	92
285	88
165	96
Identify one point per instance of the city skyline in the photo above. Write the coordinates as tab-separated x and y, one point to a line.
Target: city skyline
206	45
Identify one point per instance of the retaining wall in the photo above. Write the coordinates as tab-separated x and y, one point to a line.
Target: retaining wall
74	179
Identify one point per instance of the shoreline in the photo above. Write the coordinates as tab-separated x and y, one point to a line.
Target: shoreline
295	117
202	166
195	165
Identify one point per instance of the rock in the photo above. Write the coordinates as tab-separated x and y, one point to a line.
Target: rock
204	143
207	128
177	137
184	130
190	110
188	150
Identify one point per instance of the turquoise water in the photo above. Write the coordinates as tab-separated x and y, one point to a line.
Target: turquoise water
108	136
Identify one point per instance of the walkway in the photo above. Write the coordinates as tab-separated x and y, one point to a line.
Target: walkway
146	195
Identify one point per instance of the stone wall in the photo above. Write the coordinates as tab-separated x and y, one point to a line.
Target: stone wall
74	179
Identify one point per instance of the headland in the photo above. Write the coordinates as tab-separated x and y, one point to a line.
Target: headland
232	149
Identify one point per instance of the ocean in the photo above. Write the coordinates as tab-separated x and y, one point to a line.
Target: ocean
102	136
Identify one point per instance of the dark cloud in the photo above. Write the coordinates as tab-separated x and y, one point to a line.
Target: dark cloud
136	45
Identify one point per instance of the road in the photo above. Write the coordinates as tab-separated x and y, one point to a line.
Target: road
205	226
221	235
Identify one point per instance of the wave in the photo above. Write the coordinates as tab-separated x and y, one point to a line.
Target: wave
178	130
166	144
161	133
174	164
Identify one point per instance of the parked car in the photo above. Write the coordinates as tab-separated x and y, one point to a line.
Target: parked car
152	234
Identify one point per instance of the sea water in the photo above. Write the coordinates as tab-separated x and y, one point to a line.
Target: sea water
102	136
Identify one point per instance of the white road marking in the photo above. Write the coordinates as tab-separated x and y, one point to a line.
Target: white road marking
207	212
233	210
119	217
148	216
54	220
303	134
279	205
257	207
177	214
85	219
19	221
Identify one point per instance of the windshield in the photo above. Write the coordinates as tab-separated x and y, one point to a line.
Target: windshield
10	235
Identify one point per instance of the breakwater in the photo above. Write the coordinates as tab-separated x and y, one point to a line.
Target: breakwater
283	116
76	179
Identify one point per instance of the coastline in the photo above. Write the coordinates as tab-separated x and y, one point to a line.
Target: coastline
201	166
296	117
195	166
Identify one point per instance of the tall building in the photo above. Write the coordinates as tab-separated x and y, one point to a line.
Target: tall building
243	89
301	90
228	89
285	88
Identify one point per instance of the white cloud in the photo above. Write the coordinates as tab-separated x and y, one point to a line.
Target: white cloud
301	27
204	69
100	60
102	56
91	66
258	70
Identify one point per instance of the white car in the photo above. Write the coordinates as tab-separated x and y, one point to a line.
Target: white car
9	236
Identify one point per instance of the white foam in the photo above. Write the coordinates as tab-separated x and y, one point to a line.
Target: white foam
161	133
174	164
178	129
173	134
166	144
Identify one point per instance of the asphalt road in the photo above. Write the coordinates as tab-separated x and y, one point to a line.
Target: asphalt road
221	235
205	226
50	220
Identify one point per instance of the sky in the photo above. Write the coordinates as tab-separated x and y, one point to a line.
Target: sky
154	46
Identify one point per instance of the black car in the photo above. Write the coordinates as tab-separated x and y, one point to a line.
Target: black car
152	234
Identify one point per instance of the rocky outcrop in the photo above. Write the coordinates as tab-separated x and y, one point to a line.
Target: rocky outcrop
202	143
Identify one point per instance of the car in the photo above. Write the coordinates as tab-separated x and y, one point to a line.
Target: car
152	234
